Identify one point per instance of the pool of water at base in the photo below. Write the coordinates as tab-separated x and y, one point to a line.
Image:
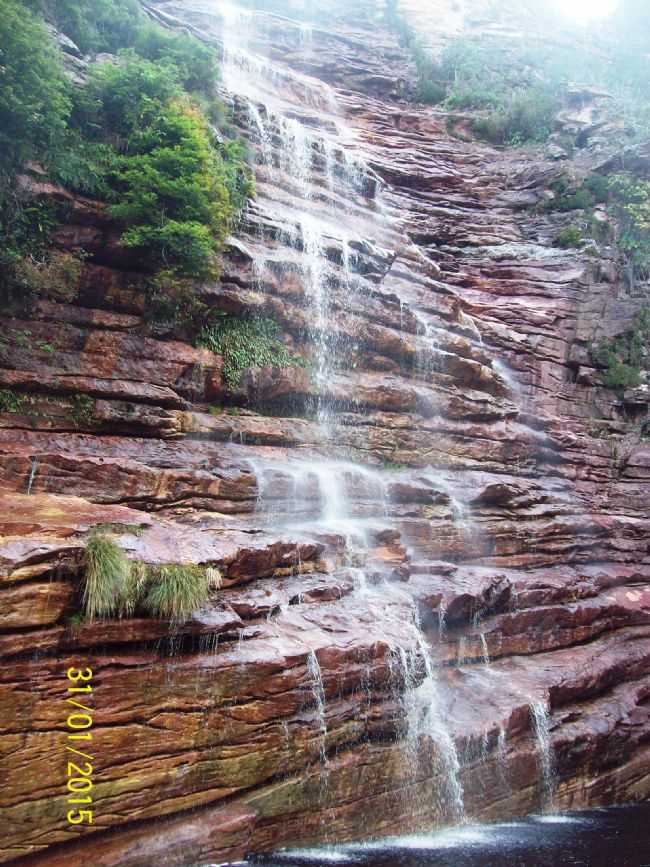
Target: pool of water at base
614	837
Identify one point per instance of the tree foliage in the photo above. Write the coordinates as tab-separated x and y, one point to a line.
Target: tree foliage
136	134
34	94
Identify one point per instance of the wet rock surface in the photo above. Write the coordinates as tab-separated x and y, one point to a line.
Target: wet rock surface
436	528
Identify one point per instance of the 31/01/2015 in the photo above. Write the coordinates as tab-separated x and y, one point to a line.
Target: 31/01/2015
79	740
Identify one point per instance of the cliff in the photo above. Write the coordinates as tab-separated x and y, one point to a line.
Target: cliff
433	540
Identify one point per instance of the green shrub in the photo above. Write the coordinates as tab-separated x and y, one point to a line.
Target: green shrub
194	62
57	277
599	187
174	300
630	205
95	25
83	165
468	96
106	572
593	190
246	343
12	401
113	25
125	98
175	592
34	101
527	116
572	236
625	357
82	410
131	136
620	375
174	189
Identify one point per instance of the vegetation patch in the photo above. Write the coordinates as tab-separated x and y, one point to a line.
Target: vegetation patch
629	203
627	200
138	134
116	586
12	401
176	591
55	275
247	343
625	359
519	84
82	410
106	570
524	116
571	236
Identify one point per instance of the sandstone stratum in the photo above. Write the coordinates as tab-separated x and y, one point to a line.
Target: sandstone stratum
432	538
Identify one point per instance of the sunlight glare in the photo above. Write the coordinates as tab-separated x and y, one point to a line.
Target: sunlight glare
586	11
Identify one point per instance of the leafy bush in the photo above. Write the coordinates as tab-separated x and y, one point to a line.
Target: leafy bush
468	96
123	99
131	136
57	277
527	116
247	343
570	237
94	25
82	165
175	190
626	356
34	102
114	25
194	63
630	205
106	573
172	191
12	401
593	190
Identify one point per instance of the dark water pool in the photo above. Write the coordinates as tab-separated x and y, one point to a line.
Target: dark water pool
618	837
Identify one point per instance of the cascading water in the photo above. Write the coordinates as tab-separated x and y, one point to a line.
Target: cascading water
541	720
324	496
318	690
32	475
425	721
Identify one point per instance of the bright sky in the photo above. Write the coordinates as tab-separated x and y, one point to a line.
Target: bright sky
585	11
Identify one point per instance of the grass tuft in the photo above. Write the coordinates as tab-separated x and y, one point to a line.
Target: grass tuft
177	591
107	571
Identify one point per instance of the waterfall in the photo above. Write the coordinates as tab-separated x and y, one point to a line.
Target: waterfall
501	759
318	691
541	720
426	722
485	651
319	170
288	149
32	475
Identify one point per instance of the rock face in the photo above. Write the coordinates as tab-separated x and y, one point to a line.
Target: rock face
435	543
